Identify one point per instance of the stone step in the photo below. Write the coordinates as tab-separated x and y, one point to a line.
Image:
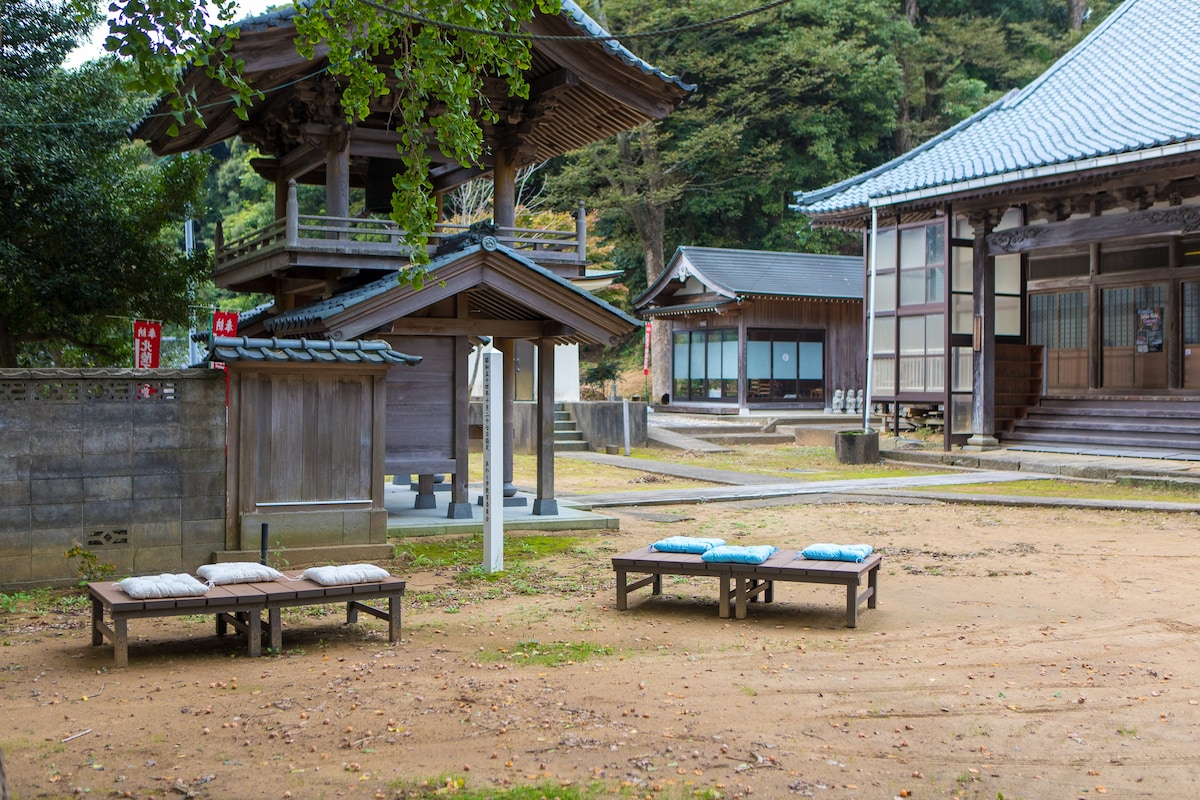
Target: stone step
570	446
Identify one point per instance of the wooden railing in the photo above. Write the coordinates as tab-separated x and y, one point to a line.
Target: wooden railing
366	236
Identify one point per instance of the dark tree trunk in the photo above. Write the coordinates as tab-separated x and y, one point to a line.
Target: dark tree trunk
1076	9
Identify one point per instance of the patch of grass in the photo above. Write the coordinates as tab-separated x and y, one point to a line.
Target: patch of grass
1077	490
467	551
549	654
786	461
456	786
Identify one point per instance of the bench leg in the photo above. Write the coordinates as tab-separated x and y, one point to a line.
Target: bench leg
120	641
394	618
657	587
742	589
254	632
97	622
723	609
873	585
351	612
222	625
851	605
622	601
275	629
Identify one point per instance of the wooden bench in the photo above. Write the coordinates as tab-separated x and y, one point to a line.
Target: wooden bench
743	583
241	605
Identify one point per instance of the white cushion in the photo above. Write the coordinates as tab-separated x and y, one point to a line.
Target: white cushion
346	573
238	572
152	587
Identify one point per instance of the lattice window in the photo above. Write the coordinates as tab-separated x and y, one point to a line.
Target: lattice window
59	391
108	538
14	392
110	391
154	391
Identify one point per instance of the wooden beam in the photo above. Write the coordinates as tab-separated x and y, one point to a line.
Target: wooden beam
506	328
1174	221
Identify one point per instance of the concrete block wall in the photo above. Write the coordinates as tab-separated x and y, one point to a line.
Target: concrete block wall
129	464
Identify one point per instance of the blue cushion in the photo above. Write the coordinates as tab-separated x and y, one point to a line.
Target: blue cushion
738	554
686	544
837	552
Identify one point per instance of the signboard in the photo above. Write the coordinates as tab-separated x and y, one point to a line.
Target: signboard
224	323
147	344
1149	330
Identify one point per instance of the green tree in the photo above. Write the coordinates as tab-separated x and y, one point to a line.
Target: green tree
427	60
89	223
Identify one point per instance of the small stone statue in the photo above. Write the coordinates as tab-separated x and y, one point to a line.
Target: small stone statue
858	402
837	400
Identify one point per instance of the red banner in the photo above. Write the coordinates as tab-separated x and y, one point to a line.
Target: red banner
225	323
147	341
646	351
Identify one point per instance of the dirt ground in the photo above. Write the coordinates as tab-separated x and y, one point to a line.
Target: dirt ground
1014	653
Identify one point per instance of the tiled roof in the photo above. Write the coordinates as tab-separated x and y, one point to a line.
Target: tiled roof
306	351
570	10
1130	90
744	273
324	309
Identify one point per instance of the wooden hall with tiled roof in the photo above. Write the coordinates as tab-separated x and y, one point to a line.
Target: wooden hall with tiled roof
1036	268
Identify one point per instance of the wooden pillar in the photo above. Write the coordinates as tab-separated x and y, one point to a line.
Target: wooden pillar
460	505
504	195
281	193
545	503
505	346
337	176
1173	320
983	341
1095	321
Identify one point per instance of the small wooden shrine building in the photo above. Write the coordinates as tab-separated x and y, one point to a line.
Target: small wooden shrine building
333	273
752	329
1036	268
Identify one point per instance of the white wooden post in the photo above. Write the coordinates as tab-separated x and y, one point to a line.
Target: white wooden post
625	420
493	460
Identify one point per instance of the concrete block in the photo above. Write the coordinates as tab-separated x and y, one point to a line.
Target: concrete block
154	560
14	467
14	420
148	415
209	459
47	417
45	569
56	465
155	534
108	514
207	507
112	413
196	437
159	437
56	515
202	484
14	518
55	542
14	493
207	532
14	572
113	487
156	510
156	462
57	441
55	490
16	543
147	487
106	438
101	465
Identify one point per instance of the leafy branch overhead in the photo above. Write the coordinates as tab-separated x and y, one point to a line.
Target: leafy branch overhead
427	76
